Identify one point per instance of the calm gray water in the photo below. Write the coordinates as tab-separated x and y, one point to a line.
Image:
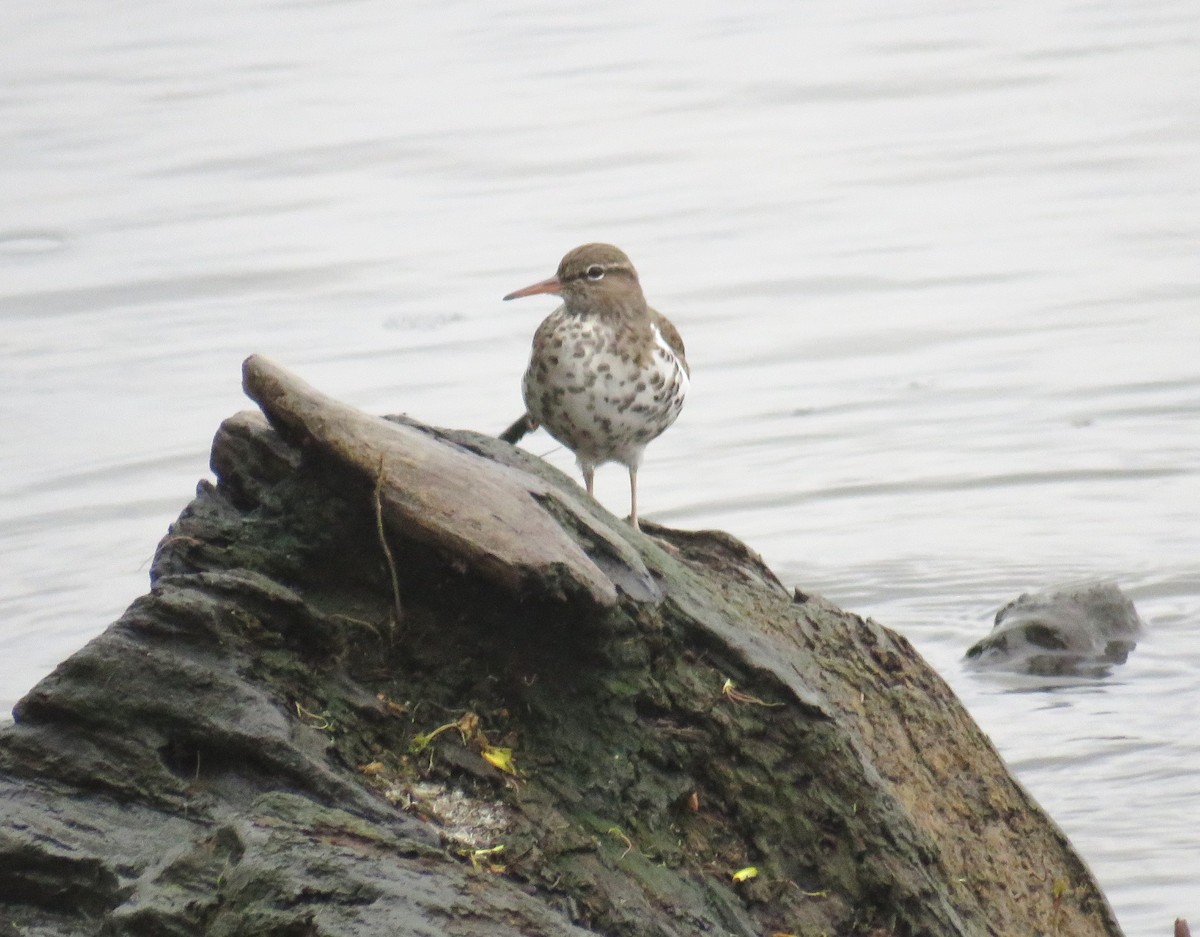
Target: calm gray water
935	263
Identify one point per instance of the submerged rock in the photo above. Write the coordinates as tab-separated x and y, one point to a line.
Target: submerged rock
1082	630
367	695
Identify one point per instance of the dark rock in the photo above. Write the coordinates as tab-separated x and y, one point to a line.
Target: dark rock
333	716
1079	630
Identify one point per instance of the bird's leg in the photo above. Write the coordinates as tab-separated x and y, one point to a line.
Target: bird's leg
589	476
633	521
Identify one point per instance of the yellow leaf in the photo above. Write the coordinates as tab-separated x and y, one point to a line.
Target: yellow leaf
742	875
730	691
394	708
501	758
478	857
375	767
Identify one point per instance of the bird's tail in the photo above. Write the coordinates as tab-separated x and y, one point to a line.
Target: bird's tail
522	425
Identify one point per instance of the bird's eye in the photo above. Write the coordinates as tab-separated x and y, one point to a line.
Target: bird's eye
595	272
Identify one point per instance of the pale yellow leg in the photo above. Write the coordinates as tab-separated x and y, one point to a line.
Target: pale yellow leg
633	498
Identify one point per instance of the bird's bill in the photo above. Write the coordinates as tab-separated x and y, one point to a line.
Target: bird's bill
553	285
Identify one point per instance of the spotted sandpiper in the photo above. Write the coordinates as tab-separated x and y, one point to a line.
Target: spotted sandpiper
608	373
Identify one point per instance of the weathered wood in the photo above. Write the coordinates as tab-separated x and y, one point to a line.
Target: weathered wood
478	510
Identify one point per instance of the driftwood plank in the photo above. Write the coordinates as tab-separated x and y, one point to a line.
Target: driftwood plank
492	516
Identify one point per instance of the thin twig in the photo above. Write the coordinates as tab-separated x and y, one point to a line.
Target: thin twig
387	550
